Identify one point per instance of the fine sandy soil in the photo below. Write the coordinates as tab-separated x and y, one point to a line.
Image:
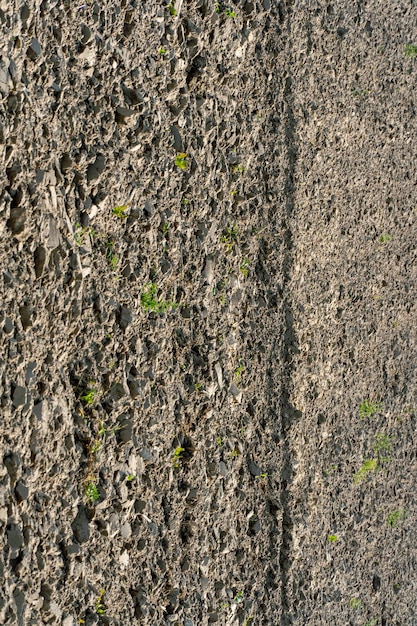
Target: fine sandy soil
208	321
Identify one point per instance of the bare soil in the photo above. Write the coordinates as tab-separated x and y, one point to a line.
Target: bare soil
208	322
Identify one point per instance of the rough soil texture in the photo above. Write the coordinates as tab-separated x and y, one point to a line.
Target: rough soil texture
245	453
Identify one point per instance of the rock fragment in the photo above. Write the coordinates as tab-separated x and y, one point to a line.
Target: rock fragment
19	396
80	526
34	50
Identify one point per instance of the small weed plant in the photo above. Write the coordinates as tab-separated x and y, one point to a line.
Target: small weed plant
81	233
395	517
91	492
382	446
222	8
384	238
367	467
332	538
238	373
172	10
177	457
355	603
90	395
99	606
150	302
229	237
244	268
162	51
411	50
120	211
111	255
181	161
369	409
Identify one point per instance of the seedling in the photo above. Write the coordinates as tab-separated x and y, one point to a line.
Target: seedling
219	441
222	8
355	603
181	161
330	469
239	169
111	256
90	395
198	386
332	538
369	409
120	211
100	608
395	517
229	237
150	302
382	444
130	478
385	238
165	229
367	467
162	51
172	10
263	475
238	373
91	492
244	267
411	50
234	453
81	233
372	622
238	597
177	457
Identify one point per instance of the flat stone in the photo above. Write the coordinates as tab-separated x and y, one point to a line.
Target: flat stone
34	50
19	396
125	317
15	537
21	491
54	238
80	526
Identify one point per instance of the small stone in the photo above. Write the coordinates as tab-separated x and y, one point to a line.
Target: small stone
125	432
25	316
223	468
219	374
126	530
39	258
8	326
39	409
73	549
208	271
125	317
21	491
117	391
236	393
95	169
19	396
34	50
54	236
80	526
135	388
254	469
122	114
15	537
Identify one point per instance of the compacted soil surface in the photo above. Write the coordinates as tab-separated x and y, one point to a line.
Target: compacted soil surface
208	370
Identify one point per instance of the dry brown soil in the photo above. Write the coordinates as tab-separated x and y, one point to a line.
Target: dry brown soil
208	395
